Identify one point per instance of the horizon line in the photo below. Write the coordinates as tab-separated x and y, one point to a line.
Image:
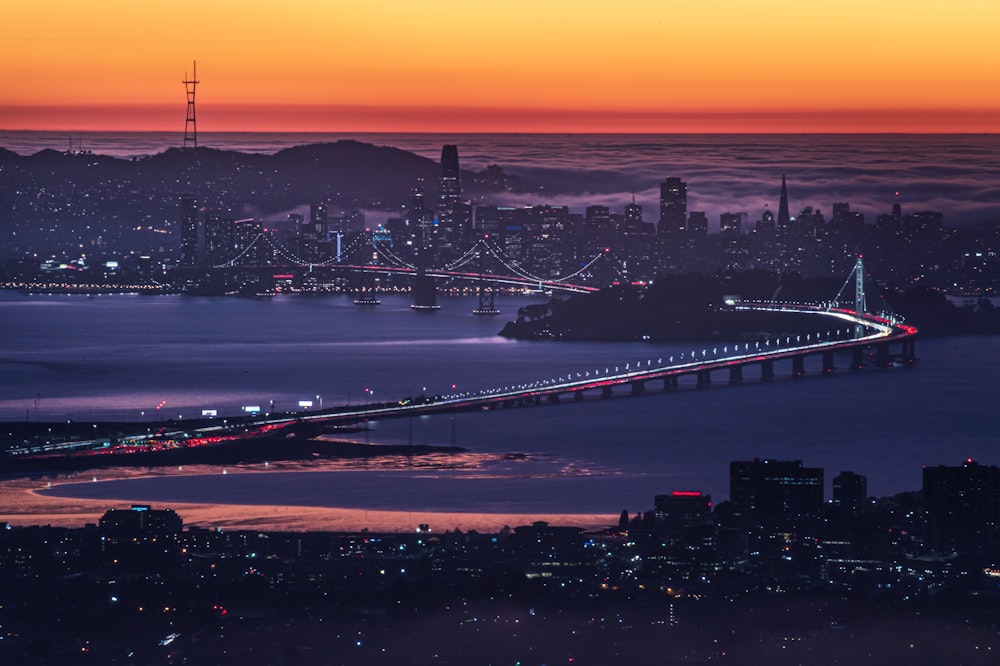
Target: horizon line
410	119
63	130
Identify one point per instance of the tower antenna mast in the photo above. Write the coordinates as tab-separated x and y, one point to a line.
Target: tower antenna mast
191	123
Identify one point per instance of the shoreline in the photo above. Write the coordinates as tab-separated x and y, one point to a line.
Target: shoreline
25	504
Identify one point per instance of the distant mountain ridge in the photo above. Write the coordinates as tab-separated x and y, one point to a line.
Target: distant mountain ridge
53	192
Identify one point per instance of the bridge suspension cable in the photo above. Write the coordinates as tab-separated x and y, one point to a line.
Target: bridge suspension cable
232	262
861	299
394	260
469	255
391	256
585	267
294	258
520	272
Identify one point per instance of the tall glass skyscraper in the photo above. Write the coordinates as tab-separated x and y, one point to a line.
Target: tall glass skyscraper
450	192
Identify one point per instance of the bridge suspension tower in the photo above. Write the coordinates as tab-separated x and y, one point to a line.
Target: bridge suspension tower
485	290
862	303
859	295
367	288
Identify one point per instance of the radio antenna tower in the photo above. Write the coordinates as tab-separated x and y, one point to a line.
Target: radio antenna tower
191	124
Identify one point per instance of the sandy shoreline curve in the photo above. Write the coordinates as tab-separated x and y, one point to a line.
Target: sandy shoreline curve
22	504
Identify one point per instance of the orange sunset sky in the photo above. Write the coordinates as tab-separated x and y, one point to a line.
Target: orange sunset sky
513	66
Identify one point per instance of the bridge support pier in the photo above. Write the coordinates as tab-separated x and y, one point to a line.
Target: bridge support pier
766	370
909	351
857	358
606	392
736	374
827	362
554	398
882	357
704	378
578	396
798	366
670	383
537	400
638	388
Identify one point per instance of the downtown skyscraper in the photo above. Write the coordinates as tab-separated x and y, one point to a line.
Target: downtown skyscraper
454	217
673	206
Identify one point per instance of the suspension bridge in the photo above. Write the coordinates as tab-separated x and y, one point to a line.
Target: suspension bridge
847	329
857	331
367	254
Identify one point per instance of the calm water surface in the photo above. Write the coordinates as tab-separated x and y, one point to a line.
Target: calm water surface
123	355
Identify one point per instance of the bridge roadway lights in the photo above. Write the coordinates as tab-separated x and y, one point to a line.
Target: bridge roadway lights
638	387
798	366
704	378
827	362
766	370
857	358
736	374
606	392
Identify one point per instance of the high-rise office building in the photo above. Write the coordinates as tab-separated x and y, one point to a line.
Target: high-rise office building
673	206
697	224
810	222
315	231
253	251
765	225
841	211
419	220
925	221
784	218
682	509
189	230
450	211
319	218
731	224
597	216
775	488
219	237
963	507
598	226
850	490
141	519
633	218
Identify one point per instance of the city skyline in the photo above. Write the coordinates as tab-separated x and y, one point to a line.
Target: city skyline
729	67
